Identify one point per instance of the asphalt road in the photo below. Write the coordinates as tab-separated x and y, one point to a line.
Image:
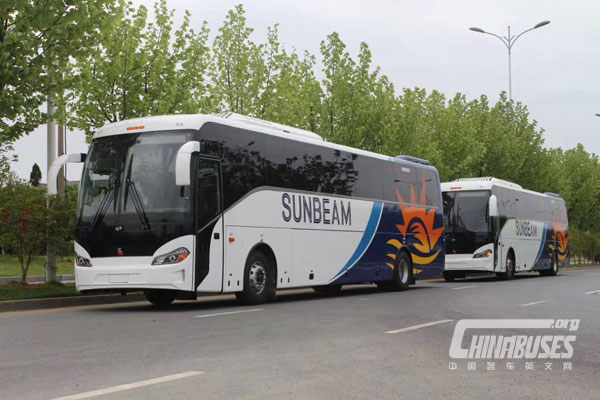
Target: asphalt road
303	346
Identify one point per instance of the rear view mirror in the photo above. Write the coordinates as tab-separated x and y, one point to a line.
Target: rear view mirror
183	162
57	165
493	206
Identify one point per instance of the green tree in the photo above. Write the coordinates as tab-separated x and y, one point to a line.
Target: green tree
338	68
23	222
139	69
35	176
35	38
6	175
290	92
238	69
60	231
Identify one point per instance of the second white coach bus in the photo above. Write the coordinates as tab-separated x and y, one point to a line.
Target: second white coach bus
182	204
493	225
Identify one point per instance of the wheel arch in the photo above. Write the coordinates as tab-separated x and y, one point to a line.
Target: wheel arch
268	251
510	251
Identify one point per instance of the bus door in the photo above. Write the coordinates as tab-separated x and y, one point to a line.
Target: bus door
209	224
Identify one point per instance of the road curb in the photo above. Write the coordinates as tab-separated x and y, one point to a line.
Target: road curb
36	279
57	302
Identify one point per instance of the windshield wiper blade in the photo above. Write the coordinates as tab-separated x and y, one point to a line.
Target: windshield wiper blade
137	204
102	208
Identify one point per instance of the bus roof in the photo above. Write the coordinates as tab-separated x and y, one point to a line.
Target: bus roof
196	121
486	183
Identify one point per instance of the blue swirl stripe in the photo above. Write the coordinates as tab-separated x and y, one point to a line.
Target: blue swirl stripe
366	240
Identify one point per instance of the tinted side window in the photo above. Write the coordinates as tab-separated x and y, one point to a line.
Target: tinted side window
429	180
242	157
403	182
369	184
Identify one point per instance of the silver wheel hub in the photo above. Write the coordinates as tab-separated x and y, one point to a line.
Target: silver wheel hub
403	271
258	277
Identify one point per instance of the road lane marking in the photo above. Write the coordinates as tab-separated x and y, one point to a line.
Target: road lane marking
412	328
128	386
229	313
533	303
593	292
463	287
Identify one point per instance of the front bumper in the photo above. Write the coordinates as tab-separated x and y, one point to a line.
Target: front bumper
466	262
133	273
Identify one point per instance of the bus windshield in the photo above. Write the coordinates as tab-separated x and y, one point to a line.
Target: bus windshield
130	179
467	222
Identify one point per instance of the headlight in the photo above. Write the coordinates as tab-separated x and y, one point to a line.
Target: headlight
82	262
483	254
174	257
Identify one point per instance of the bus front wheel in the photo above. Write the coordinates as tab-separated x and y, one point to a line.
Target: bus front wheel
509	272
259	280
160	298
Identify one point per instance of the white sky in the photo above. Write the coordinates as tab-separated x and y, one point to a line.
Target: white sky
427	44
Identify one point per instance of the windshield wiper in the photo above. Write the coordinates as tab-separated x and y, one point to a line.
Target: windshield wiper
103	207
135	197
137	203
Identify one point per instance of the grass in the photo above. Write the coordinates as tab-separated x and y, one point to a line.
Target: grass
583	265
19	292
9	266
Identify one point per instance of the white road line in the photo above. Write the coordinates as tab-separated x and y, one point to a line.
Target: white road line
463	287
412	328
229	312
120	388
593	292
533	303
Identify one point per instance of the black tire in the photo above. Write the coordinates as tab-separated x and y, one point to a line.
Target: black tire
510	267
553	271
402	272
327	289
449	276
160	298
260	280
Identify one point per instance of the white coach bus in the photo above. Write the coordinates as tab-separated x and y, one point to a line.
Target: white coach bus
493	225
183	204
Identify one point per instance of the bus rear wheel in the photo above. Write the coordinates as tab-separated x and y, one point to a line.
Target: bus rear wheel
160	298
402	272
553	270
260	282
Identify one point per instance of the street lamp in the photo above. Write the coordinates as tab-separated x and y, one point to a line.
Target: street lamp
509	42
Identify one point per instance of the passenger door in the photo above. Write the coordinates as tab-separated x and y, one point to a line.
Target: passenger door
209	224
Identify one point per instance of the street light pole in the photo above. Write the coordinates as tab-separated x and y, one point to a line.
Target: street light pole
509	42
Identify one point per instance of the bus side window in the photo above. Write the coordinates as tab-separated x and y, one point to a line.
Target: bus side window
208	194
403	182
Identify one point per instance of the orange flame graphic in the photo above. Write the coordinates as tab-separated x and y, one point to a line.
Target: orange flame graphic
560	238
419	222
